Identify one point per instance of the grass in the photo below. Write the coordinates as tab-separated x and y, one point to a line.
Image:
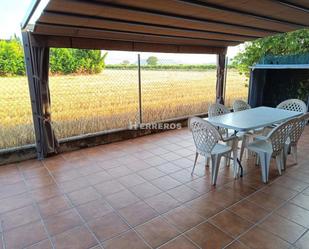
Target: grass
84	104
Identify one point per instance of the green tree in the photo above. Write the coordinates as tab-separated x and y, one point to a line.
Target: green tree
67	60
152	60
11	58
296	42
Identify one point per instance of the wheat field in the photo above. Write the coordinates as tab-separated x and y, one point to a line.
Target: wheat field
84	104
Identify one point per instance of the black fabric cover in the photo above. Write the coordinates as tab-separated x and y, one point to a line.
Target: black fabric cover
269	87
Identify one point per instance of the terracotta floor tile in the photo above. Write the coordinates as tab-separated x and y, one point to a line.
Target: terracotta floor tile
165	183
89	169
44	193
240	187
12	189
204	207
76	238
15	202
183	193
35	172
109	187
94	209
138	165
151	173
53	206
184	163
145	190
62	221
236	245
183	176
224	197
208	236
128	240
279	191
162	202
131	180
73	185
303	242
180	242
283	228
119	171
27	235
258	238
170	156
168	168
301	200
231	223
19	217
45	244
200	185
98	177
291	183
122	199
156	232
267	201
155	160
295	213
249	211
40	182
84	195
137	213
10	179
183	218
108	226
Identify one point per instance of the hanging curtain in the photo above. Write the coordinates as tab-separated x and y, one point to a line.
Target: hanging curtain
220	78
40	66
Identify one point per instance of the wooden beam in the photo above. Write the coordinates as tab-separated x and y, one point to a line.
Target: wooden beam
87	43
131	14
103	23
60	30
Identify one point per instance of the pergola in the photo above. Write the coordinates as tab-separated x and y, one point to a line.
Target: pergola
174	26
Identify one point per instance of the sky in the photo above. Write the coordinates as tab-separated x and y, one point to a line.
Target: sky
12	13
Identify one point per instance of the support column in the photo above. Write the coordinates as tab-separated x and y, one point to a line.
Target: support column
221	57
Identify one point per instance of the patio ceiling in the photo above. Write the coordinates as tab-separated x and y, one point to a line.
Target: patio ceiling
181	25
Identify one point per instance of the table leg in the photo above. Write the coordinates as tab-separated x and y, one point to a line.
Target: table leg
239	162
241	168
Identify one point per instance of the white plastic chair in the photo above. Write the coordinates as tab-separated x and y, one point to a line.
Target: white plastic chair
297	130
206	138
240	105
215	110
296	105
272	146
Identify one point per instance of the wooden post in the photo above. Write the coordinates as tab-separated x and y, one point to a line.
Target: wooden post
221	57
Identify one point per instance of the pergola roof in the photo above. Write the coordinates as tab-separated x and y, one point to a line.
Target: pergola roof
177	23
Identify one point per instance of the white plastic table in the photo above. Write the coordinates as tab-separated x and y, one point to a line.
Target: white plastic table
251	119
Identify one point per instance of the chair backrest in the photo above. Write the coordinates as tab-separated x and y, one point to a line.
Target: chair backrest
240	105
205	135
298	128
296	105
217	110
280	134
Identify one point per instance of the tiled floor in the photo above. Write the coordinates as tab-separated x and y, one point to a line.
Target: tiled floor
139	194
